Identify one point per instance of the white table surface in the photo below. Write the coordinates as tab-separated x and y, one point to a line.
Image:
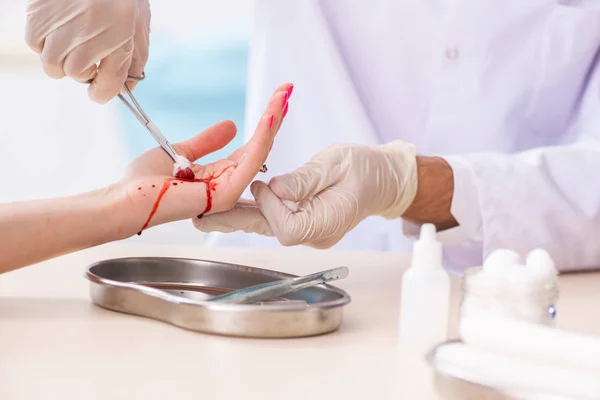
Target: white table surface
55	344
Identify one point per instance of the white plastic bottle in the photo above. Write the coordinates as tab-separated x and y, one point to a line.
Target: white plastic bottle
425	296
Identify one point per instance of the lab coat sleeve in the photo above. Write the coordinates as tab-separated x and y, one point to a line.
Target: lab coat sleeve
546	197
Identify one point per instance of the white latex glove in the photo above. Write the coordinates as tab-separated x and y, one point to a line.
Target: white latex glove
328	196
103	40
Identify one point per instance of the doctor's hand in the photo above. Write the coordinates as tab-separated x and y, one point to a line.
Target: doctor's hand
321	201
103	40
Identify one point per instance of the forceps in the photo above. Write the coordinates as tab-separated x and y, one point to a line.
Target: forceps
141	116
270	290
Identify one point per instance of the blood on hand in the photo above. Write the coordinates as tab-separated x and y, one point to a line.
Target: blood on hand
182	169
211	186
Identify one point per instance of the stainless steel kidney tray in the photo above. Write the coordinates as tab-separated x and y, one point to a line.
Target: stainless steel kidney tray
176	291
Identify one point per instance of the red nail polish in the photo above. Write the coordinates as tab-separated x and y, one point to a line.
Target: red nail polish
271	122
285	110
290	90
285	99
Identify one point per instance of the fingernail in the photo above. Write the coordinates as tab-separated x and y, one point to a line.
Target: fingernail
285	99
271	122
290	90
285	110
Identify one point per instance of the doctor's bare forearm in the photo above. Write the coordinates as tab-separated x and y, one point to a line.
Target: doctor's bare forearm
433	200
34	231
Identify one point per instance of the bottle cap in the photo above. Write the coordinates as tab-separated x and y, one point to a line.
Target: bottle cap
427	251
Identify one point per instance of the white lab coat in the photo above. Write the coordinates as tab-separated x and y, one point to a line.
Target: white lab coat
507	91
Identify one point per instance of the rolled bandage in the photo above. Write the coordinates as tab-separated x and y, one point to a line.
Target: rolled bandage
550	346
516	376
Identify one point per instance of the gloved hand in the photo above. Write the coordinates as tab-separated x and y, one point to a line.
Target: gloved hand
73	36
329	196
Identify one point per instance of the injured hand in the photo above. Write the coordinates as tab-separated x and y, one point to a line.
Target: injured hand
157	197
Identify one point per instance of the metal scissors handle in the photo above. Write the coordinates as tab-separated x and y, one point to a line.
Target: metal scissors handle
141	116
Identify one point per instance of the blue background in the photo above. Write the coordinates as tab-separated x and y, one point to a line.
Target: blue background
187	89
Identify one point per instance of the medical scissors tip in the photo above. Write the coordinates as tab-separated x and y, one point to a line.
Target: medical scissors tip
137	110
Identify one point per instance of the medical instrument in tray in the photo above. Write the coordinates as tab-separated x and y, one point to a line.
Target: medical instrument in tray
270	290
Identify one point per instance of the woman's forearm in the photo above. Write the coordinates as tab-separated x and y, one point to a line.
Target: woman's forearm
147	196
33	231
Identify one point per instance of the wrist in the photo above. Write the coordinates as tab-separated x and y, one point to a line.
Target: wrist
433	200
399	162
139	204
120	216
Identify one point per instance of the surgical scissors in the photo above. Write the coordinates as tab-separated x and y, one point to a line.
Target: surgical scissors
141	116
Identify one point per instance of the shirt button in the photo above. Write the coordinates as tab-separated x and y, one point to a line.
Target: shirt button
452	53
